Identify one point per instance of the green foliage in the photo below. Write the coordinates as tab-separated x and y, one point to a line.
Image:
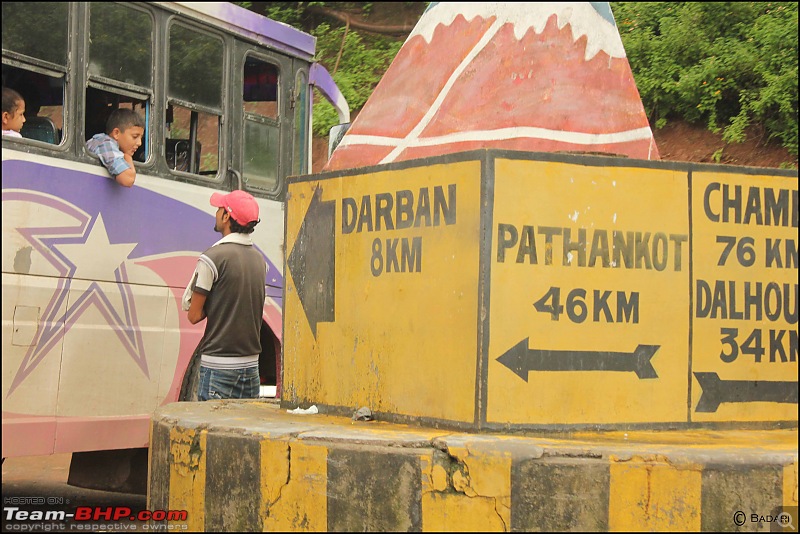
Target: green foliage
361	66
290	13
364	56
191	52
120	43
725	64
36	29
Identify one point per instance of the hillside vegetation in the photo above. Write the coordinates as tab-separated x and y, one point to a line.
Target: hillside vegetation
726	67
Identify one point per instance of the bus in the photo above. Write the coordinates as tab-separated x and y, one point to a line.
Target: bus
94	337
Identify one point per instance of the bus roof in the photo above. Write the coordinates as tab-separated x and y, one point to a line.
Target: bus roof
249	24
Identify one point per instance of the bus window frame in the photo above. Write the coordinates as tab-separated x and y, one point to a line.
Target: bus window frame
63	145
110	85
153	40
205	179
39	66
96	83
53	70
305	153
220	178
245	49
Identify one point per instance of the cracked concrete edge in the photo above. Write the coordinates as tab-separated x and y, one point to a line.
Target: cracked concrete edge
262	419
311	469
618	451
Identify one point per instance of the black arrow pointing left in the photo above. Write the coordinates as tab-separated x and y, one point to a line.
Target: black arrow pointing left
312	261
520	359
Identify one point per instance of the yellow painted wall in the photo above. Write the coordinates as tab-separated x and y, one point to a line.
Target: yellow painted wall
187	475
589	268
597	201
475	497
400	340
758	255
647	495
294	497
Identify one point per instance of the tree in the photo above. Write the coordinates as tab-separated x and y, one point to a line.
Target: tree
725	64
728	65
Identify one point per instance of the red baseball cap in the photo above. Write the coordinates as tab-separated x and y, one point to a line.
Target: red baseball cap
241	206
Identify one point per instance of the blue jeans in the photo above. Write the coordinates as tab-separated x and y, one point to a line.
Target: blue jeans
228	383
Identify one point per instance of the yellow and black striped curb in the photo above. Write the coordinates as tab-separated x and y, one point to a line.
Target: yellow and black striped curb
249	466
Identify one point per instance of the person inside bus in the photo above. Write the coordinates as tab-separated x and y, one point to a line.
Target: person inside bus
115	148
227	287
13	112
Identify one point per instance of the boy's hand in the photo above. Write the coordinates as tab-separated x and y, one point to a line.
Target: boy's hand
128	177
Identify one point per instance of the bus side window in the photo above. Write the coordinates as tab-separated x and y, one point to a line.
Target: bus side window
261	125
194	109
260	91
44	103
100	104
37	34
120	66
98	107
187	124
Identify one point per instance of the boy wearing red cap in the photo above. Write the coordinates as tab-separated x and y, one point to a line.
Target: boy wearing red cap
227	288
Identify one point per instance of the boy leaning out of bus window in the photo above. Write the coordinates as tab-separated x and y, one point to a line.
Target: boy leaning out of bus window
13	112
115	148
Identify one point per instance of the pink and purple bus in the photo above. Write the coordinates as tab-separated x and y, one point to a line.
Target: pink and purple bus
94	338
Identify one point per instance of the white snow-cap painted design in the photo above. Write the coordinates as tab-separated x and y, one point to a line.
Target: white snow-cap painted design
582	18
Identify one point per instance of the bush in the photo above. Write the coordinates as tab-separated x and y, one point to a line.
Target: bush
725	64
361	66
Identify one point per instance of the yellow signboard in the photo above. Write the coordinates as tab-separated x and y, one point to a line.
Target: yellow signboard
744	318
589	272
381	306
498	290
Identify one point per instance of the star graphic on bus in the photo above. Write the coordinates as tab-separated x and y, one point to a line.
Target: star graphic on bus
83	252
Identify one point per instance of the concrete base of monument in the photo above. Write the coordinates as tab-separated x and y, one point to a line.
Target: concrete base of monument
250	466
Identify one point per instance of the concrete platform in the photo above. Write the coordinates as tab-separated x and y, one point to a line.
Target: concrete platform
251	466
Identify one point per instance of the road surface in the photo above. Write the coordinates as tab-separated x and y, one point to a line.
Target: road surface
44	478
